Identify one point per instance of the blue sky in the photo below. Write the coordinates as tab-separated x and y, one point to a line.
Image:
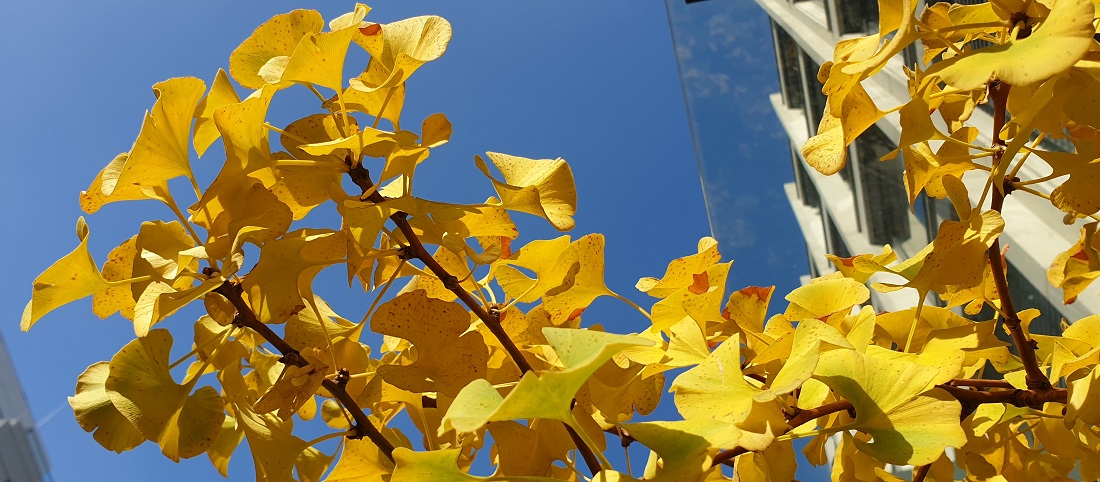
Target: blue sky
593	82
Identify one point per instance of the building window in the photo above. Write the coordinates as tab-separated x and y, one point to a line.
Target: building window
834	241
813	266
790	73
885	204
1025	295
815	98
807	192
857	16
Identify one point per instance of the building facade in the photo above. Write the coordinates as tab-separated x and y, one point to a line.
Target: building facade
865	206
22	458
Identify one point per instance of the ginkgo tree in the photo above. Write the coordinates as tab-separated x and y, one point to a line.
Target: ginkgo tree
484	340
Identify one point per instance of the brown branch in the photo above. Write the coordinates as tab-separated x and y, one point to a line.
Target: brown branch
1035	378
980	383
1020	398
920	473
361	177
247	318
803	416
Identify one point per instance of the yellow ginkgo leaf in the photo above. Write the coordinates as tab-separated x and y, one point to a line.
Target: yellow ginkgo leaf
403	46
93	198
542	187
541	257
361	460
435	131
1076	268
701	301
1082	403
162	255
71	278
281	283
119	266
909	425
246	150
159	300
958	252
276	37
318	59
448	355
717	390
685	446
94	411
295	386
1058	43
185	424
854	267
440	465
529	450
1075	195
223	447
221	93
811	338
827	151
387	102
682	272
245	205
824	297
583	281
619	392
161	150
548	395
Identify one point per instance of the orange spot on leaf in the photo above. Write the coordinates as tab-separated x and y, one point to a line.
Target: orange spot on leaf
576	313
701	283
371	30
761	293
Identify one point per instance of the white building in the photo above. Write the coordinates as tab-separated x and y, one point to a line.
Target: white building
865	206
22	458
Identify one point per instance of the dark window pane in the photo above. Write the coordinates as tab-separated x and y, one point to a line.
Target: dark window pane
884	197
790	75
1024	296
857	16
836	242
807	192
816	99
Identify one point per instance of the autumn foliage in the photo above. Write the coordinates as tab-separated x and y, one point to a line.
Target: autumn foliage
485	335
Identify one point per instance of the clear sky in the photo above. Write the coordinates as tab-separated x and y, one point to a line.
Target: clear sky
594	82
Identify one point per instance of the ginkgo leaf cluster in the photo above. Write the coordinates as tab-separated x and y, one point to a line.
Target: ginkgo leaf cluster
486	349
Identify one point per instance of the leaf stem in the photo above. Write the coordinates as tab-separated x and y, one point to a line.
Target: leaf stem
327	437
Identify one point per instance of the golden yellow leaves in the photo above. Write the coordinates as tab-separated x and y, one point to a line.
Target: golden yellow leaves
134	398
448	355
541	187
1058	43
72	277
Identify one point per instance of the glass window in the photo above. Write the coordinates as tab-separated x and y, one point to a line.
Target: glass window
834	239
807	192
815	104
883	191
790	73
1024	296
857	16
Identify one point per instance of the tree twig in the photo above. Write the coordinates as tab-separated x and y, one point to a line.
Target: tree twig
726	456
1035	378
247	318
361	177
980	383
